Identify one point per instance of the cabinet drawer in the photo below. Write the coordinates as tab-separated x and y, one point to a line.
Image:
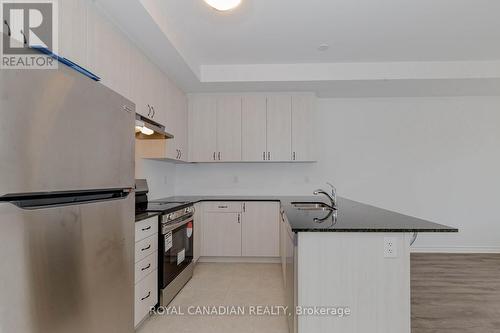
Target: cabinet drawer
223	207
146	247
146	266
146	228
146	296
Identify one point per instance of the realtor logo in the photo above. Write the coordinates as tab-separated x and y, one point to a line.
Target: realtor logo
27	25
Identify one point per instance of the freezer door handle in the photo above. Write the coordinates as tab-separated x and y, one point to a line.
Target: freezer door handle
66	198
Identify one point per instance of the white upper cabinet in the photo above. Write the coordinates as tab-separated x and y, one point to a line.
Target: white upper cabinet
147	87
303	117
229	128
279	128
73	31
108	51
202	128
138	82
175	121
214	128
254	128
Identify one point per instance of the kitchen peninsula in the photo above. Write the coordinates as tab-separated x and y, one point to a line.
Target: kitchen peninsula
355	257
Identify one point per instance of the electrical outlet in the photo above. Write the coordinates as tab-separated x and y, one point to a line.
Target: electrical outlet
390	247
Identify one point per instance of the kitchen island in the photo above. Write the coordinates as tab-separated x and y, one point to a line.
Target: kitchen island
346	270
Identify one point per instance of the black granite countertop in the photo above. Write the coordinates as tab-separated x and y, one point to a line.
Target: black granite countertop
145	215
351	216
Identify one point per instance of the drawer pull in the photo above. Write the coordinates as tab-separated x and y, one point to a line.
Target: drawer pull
146	248
222	206
146	229
149	294
147	267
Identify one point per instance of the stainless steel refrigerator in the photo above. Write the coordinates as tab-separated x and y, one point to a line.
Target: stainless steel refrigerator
66	207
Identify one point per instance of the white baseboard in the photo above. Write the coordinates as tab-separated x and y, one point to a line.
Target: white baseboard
456	249
244	260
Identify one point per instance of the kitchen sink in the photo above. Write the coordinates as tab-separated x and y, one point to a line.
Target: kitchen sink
311	206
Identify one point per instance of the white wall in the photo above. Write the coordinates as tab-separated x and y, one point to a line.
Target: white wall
160	176
433	158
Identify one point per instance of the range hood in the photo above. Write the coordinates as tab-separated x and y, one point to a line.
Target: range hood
147	129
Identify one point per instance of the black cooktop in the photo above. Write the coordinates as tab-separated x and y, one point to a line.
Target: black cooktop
166	206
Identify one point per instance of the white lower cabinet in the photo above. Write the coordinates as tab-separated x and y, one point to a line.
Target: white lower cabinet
221	234
146	268
260	229
283	243
236	229
198	214
146	296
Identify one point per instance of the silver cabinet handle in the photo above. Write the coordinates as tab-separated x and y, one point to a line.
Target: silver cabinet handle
221	206
264	156
239	218
154	112
180	154
146	229
149	110
214	156
294	156
268	155
147	267
143	298
146	248
219	156
244	207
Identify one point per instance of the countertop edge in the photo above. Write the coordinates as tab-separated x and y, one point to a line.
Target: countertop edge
200	198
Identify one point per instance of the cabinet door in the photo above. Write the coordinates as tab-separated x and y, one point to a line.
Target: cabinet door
154	93
108	51
73	30
303	112
283	244
137	82
202	119
182	125
260	229
221	235
197	231
176	121
229	128
253	128
279	127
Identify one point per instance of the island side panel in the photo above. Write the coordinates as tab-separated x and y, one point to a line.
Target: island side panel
350	269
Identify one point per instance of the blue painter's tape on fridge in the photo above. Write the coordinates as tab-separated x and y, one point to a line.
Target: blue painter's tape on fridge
68	63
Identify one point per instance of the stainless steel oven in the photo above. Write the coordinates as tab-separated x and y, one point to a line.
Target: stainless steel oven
175	252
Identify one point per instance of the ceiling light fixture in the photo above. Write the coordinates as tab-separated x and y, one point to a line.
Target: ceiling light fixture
323	47
223	5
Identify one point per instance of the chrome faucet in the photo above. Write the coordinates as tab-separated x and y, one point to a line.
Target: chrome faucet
332	197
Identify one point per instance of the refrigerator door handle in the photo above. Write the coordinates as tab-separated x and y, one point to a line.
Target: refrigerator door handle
67	198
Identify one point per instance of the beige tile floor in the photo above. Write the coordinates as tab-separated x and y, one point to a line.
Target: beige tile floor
227	285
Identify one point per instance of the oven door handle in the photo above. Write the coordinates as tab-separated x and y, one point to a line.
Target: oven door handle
169	227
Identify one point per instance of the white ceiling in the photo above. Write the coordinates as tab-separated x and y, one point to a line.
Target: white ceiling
290	31
377	47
